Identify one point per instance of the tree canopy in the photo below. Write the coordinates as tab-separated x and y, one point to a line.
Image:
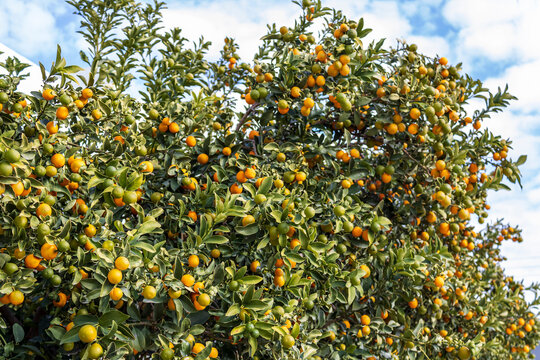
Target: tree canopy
322	200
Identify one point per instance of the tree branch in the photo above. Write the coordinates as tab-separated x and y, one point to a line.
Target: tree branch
416	161
244	118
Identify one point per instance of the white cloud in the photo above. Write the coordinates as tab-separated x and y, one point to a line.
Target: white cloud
216	20
522	80
495	29
236	19
430	45
30	28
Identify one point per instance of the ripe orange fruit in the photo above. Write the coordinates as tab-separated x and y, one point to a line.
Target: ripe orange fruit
253	134
413	129
193	261
52	128
147	167
346	184
116	294
61	300
365	320
254	266
149	292
76	165
43	210
440	165
439	281
87	333
295	91
188	280
174	128
18	188
386	178
414	114
309	103
197	348
413	304
90	231
114	276
87	93
49	251
62	113
96	114
279	281
250	173
392	129
48	94
31	262
16	297
121	263
345	70
248	220
58	160
236	189
202	159
163	127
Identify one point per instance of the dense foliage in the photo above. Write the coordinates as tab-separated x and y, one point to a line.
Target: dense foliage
330	217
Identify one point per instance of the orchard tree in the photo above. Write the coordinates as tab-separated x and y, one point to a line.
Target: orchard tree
319	201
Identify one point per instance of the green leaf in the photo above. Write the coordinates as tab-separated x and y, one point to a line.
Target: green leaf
106	288
233	310
148	227
265	186
72	69
252	345
250	279
18	332
216	239
56	332
248	230
112	315
257	305
362	100
145	246
238	330
71	336
134	182
204	354
94	181
111	332
521	160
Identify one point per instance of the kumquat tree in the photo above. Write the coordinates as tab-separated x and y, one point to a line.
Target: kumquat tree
322	200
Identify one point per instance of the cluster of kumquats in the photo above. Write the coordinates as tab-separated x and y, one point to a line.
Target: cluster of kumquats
331	218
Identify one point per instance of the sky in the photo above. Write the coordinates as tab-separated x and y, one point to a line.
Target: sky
494	39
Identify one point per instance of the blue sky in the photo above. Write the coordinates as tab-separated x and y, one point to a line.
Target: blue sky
495	40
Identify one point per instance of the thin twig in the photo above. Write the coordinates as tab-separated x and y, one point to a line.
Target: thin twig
244	118
416	161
